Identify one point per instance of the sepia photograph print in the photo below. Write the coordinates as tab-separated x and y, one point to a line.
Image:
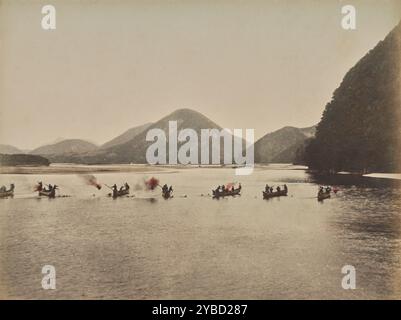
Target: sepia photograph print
200	150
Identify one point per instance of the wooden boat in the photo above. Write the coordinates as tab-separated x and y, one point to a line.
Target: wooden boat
8	193
218	194
48	193
123	191
167	194
120	193
323	195
268	195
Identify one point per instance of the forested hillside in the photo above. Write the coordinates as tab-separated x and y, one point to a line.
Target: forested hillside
360	127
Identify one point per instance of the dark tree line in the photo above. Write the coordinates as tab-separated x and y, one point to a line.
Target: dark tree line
22	160
360	129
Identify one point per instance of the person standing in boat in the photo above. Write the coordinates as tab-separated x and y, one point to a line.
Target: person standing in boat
285	188
278	189
3	189
239	186
267	188
170	189
114	188
39	187
126	185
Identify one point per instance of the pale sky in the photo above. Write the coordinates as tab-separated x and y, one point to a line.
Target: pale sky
112	65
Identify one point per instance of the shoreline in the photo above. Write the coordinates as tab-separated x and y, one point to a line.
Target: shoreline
78	169
394	176
67	168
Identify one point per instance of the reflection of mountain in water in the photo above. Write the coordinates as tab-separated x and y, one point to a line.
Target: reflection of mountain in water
354	180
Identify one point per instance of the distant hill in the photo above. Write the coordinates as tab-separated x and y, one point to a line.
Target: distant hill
8	149
131	146
69	146
66	150
22	160
126	136
281	146
134	150
360	129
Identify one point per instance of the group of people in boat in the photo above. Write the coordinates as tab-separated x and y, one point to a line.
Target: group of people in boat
4	189
324	189
167	191
223	188
49	188
270	189
229	190
4	193
50	191
166	188
270	193
123	190
324	193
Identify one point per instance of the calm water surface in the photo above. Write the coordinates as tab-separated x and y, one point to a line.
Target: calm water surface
194	247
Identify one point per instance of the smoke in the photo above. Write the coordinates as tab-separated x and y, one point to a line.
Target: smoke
151	183
91	180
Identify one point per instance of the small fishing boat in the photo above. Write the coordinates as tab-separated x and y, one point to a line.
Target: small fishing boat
323	195
120	193
123	191
42	191
280	192
226	193
167	192
268	195
48	193
8	193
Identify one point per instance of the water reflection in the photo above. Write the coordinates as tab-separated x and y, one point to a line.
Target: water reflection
369	222
195	247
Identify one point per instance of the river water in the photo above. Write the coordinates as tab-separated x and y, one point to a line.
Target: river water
195	247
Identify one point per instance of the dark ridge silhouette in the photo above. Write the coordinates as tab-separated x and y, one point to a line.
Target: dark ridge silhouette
23	160
281	146
360	129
